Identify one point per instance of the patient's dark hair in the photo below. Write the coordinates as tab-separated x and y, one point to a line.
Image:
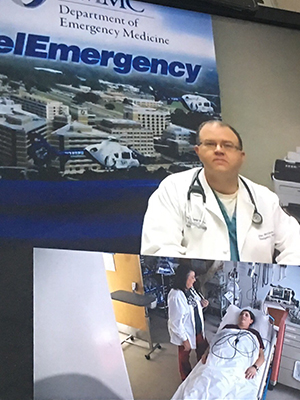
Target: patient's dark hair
252	316
181	275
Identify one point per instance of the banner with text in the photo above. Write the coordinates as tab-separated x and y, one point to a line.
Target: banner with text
96	93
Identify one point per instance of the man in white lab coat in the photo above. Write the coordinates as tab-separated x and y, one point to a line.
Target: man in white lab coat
214	213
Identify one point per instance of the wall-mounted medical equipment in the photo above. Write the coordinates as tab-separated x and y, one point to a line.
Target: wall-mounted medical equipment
216	288
281	295
295	315
157	275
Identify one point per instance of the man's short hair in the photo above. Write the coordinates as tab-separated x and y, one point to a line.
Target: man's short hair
252	316
220	123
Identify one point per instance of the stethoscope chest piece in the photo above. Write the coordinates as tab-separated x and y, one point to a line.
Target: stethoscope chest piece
197	189
257	218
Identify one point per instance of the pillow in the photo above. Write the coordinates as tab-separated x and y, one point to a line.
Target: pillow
261	324
231	316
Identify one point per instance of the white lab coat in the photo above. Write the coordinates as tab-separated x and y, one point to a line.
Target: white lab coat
165	232
181	323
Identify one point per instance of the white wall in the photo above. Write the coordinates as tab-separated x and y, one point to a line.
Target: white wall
77	351
258	67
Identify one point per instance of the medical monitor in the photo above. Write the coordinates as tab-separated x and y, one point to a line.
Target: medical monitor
281	294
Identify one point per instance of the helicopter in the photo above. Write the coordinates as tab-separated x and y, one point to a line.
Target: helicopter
191	102
112	155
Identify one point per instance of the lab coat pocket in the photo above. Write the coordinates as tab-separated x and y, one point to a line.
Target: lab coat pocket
195	213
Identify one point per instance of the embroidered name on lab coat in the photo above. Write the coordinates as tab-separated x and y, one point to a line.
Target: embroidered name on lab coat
266	235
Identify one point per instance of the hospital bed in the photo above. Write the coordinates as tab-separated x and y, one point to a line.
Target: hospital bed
220	377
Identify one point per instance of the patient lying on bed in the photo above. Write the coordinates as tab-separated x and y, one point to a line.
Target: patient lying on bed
228	365
246	319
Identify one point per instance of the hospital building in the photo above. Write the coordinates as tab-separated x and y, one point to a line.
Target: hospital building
40	106
130	133
177	140
156	120
70	141
18	130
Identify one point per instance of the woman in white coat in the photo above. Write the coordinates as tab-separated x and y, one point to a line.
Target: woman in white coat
186	324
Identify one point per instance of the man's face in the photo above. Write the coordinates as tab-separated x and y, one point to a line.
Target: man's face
219	150
245	320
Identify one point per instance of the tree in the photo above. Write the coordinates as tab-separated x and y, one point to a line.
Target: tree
109	106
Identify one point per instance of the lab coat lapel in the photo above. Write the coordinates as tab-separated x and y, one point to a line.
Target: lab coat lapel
211	202
244	213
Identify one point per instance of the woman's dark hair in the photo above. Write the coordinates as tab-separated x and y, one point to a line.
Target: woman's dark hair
252	316
181	275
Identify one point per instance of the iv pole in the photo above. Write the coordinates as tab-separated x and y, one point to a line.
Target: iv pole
233	274
254	276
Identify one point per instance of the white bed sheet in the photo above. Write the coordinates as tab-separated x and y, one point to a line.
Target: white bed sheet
223	376
225	379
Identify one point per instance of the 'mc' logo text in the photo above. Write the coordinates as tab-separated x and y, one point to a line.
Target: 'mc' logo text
119	3
124	4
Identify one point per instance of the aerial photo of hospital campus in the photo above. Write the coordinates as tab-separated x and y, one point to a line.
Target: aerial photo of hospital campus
63	121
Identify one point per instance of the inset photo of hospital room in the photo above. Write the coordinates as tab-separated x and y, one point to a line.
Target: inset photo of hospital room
102	318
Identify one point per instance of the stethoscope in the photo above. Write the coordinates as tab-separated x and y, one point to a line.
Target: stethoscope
198	189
